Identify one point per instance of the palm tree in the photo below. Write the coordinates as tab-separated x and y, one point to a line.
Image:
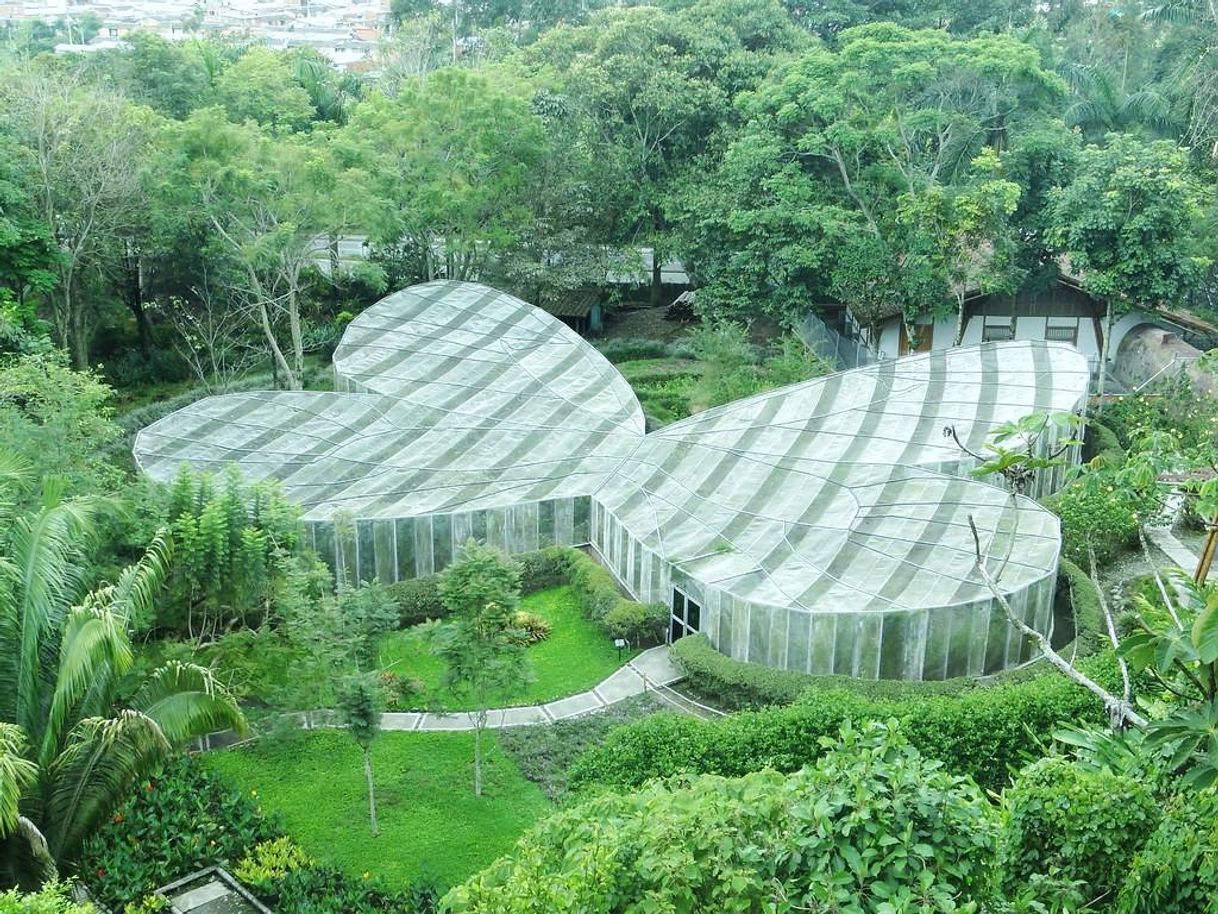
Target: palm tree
1104	104
75	733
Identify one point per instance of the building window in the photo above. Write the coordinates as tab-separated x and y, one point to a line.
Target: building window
997	328
1062	330
686	616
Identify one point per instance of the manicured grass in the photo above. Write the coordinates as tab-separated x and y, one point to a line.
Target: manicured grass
431	823
576	656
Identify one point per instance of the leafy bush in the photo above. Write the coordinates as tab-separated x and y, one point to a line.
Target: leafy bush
628	350
417	600
1177	867
874	827
269	860
313	889
545	568
544	754
984	732
1081	824
1101	441
186	819
182	820
402	693
533	627
51	898
1097	516
737	684
638	623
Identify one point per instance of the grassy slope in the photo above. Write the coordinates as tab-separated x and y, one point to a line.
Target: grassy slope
575	657
431	823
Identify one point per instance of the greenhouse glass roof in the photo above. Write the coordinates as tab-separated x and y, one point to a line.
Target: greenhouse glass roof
833	495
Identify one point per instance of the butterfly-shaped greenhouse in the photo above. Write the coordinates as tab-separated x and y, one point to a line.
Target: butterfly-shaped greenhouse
821	527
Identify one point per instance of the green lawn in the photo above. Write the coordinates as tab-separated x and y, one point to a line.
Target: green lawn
575	657
431	823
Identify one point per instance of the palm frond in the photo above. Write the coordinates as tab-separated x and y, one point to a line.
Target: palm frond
16	774
186	701
103	758
135	590
44	576
1176	11
94	645
14	474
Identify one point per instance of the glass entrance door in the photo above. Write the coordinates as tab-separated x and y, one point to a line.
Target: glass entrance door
686	616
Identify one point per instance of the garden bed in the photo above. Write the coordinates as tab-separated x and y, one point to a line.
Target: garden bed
576	656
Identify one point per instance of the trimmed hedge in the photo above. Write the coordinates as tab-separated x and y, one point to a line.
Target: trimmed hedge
738	685
546	568
983	732
417	600
1089	634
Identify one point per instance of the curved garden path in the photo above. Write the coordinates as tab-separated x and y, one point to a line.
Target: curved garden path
650	669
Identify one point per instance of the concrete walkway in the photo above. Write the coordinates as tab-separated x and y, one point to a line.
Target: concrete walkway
1176	551
649	669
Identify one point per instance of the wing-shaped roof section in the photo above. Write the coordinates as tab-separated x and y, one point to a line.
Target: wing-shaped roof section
474	350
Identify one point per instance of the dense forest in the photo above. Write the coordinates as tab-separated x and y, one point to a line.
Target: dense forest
169	208
205	215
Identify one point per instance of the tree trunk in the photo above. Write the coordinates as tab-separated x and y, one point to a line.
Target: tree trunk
479	722
297	337
276	352
1104	348
371	791
959	319
657	283
80	339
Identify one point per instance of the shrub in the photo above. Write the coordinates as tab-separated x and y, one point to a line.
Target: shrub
1095	516
638	623
401	692
595	588
51	898
534	628
873	827
1101	441
309	890
186	819
1080	824
182	820
269	860
983	732
1177	867
417	600
545	568
734	684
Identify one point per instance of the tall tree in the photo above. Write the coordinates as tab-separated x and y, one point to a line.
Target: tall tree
446	166
482	649
85	147
262	203
1129	224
